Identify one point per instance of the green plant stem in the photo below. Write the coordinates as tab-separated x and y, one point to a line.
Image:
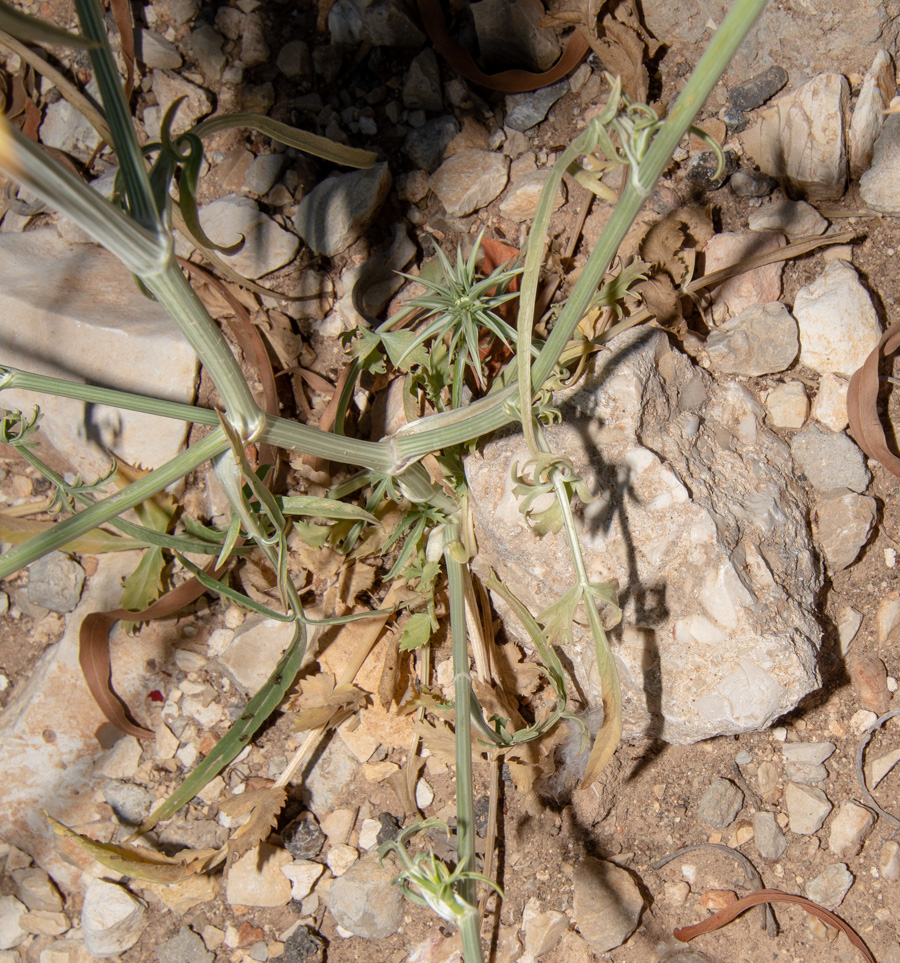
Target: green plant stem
462	685
470	932
172	289
61	533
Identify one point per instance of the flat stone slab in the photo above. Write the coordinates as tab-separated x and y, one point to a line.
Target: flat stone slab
701	522
73	311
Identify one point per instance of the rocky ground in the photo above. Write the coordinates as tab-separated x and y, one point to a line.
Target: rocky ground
758	568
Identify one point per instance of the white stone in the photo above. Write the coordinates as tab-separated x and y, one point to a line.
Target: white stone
807	753
787	405
848	623
66	951
303	874
889	860
112	919
761	340
829	888
838	324
794	218
862	719
887	617
849	828
256	878
168	86
166	742
607	904
877	91
341	858
830	405
337	825
880	767
12	933
267	246
521	200
56	773
357	740
36	890
542	929
424	794
807	808
747	289
254	651
156	51
880	185
368	834
469	180
719	650
800	138
121	760
72	311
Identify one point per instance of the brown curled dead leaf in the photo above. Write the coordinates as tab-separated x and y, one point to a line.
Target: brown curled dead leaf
725	916
862	403
507	81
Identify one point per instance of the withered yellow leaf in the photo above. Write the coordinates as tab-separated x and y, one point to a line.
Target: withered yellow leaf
135	861
319	700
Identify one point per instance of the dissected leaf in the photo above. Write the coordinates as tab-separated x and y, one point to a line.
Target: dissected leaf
319	700
516	675
261	807
417	631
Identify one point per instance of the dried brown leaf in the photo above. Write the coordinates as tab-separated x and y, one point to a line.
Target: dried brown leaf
516	676
623	54
319	701
262	807
661	299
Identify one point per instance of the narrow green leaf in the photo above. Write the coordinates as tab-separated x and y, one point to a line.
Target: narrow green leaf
324	508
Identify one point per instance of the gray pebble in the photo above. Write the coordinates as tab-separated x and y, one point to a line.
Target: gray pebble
767	834
523	111
702	169
425	146
829	459
187	947
735	120
751	184
303	838
55	582
130	803
756	91
720	803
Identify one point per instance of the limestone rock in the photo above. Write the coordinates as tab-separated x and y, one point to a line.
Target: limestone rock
186	947
880	185
524	111
889	860
37	891
750	288
829	460
849	829
760	340
383	23
12	933
67	129
807	808
256	879
543	930
799	140
254	652
767	834
830	406
204	45
878	89
365	901
55	582
72	311
700	524
112	918
816	37
521	202
66	951
422	87
720	803
787	405
54	769
510	34
829	888
469	180
338	210
426	146
838	324
267	245
303	874
607	903
843	523
156	51
794	218
168	87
